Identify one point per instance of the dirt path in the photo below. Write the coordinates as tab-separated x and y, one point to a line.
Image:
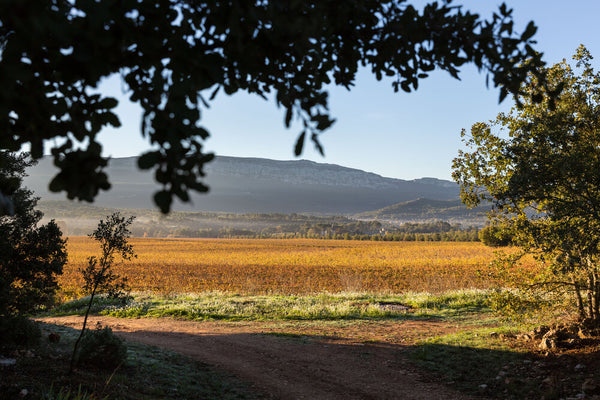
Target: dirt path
317	361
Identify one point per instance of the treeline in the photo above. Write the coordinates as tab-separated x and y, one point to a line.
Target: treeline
80	219
356	230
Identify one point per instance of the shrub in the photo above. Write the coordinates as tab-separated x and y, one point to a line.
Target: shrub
18	331
102	348
66	394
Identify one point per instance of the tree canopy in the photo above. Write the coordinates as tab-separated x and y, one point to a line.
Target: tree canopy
540	168
175	56
31	256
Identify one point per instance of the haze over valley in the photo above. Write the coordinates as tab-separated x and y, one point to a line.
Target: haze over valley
253	196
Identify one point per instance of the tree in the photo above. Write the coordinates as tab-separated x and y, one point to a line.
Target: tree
175	56
495	236
540	168
31	256
113	237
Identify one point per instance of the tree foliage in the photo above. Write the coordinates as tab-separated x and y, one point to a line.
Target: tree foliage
541	169
31	256
175	56
495	236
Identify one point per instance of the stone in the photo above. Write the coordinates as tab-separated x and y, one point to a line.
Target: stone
549	380
547	344
53	337
579	367
539	332
585	333
23	393
551	334
524	336
7	362
589	386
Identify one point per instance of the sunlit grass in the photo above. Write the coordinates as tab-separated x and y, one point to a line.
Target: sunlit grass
231	307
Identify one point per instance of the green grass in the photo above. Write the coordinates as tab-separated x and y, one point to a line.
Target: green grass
232	307
472	358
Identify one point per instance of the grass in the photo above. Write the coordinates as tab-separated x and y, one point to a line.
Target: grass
474	358
345	306
149	373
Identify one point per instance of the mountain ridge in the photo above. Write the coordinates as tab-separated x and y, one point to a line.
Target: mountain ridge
261	185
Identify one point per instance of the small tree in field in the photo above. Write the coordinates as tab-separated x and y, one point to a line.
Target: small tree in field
540	168
113	236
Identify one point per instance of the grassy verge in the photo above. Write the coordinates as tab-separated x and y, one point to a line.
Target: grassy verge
476	361
148	373
345	306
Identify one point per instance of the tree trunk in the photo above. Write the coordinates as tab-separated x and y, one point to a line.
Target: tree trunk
87	312
590	295
596	296
580	306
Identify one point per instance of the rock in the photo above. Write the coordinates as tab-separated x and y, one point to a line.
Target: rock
53	337
551	334
7	362
524	336
585	333
547	344
579	367
539	332
23	393
550	380
589	386
483	386
505	336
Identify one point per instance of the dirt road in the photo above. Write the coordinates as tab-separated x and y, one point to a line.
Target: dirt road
316	361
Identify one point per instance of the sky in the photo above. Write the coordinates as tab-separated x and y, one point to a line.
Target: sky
398	135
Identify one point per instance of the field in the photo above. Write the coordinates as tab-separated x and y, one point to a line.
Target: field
304	318
291	267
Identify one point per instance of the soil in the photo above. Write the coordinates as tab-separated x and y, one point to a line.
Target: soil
299	360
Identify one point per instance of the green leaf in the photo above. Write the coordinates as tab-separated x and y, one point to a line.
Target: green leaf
300	144
288	116
163	200
529	31
149	160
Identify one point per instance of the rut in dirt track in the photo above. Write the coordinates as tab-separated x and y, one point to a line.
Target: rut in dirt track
285	368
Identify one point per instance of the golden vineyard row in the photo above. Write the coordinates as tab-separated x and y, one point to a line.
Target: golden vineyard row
299	266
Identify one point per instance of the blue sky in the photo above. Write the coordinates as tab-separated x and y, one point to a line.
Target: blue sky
397	135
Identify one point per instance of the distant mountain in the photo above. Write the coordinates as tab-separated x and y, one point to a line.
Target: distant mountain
427	210
249	185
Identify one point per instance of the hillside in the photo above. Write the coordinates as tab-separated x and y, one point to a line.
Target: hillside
255	185
428	210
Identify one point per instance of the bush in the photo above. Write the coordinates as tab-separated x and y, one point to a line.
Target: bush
102	348
18	332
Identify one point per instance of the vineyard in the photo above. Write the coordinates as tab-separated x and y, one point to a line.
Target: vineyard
293	267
